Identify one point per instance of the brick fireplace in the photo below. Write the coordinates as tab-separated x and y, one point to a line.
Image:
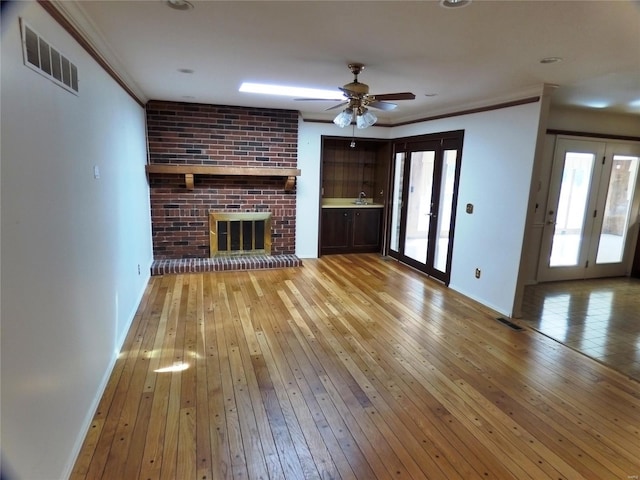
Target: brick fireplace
211	135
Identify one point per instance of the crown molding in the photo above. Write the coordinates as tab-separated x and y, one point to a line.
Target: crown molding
71	16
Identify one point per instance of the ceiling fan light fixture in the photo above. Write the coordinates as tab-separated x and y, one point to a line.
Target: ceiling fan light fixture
344	118
365	118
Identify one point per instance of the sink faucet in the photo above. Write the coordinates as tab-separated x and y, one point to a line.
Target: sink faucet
361	196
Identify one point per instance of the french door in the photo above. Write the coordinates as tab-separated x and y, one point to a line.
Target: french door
593	202
424	196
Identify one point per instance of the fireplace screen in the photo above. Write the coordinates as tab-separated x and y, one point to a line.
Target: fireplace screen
241	233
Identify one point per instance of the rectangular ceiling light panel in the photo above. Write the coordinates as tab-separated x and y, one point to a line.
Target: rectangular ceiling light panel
289	91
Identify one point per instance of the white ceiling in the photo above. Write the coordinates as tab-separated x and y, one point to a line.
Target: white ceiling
485	53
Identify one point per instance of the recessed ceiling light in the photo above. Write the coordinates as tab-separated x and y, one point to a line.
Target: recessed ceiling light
547	60
454	3
179	4
289	91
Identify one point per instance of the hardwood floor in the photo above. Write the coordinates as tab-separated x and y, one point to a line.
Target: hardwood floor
350	367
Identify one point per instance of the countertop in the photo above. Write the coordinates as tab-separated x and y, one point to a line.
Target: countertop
347	203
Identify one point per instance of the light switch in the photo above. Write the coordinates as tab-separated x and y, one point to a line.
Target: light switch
96	172
469	208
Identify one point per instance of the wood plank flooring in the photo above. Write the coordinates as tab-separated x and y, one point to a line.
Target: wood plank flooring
350	367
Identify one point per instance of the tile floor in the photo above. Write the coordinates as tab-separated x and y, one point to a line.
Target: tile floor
600	318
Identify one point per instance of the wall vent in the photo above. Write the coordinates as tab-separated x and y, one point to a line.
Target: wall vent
43	58
509	323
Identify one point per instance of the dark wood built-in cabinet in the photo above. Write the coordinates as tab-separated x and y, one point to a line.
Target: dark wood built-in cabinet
351	230
350	172
347	171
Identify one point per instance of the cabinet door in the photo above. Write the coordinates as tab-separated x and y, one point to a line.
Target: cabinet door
336	230
366	229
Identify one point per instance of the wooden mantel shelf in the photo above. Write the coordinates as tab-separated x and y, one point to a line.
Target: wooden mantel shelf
190	170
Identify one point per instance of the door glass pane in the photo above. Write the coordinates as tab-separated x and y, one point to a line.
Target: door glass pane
419	205
444	213
572	204
624	172
397	202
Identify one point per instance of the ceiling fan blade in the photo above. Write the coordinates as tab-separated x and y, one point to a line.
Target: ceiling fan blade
395	96
341	104
348	93
382	105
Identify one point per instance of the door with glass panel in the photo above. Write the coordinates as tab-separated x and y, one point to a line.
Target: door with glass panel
425	184
592	205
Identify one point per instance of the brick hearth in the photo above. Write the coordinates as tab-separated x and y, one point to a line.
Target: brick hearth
198	265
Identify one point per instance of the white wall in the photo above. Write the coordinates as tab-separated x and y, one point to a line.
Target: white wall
70	249
497	162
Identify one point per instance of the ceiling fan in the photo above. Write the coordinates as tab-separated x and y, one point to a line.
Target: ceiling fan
357	99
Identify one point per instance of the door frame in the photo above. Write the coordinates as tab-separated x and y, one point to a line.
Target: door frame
609	147
563	146
438	142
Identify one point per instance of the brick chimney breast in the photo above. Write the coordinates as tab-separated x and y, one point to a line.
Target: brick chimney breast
195	134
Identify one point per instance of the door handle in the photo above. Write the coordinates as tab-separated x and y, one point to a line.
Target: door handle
431	214
551	221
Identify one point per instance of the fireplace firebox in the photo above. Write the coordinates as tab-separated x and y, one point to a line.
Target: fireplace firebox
239	233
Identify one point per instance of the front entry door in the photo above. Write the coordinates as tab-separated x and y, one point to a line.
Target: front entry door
425	185
593	200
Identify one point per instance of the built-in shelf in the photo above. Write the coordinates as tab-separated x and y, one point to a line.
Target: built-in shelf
189	171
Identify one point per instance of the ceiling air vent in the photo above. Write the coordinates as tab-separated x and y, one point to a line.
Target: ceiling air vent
40	56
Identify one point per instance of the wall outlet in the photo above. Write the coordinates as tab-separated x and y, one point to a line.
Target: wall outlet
478	273
138	269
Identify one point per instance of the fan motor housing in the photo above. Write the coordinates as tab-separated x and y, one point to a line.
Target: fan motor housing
357	88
